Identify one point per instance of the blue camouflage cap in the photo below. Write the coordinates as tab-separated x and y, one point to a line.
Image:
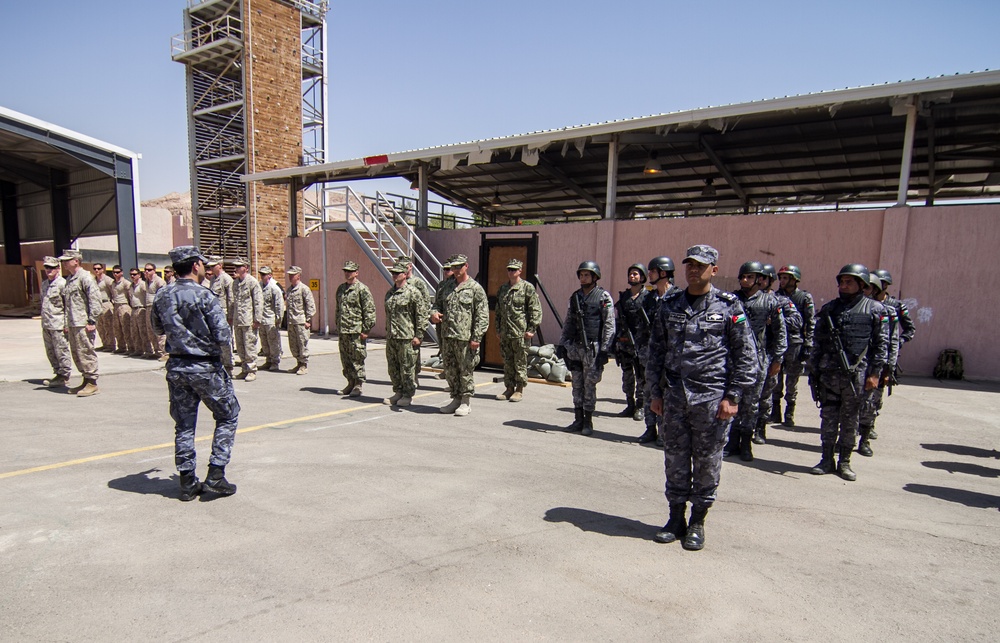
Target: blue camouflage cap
702	254
183	253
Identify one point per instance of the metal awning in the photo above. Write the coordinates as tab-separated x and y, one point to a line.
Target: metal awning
844	146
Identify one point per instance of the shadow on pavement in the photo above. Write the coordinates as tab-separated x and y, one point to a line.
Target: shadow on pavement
961	496
144	484
533	426
319	391
963	467
961	449
600	523
770	466
786	444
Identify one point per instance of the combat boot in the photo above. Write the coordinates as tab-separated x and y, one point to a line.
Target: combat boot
695	537
789	415
452	406
733	444
250	376
356	390
190	486
464	408
746	447
826	464
844	465
56	382
274	368
759	432
518	394
775	411
391	401
588	422
629	409
649	435
639	414
507	392
241	376
577	422
872	435
302	370
216	482
676	527
266	366
404	401
295	369
89	388
864	448
347	389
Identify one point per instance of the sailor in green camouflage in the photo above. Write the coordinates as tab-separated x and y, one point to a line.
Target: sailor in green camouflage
406	319
355	319
518	316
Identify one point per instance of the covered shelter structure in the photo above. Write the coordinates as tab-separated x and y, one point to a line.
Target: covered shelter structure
58	185
919	141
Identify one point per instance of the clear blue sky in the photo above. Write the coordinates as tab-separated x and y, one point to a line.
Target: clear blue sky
410	74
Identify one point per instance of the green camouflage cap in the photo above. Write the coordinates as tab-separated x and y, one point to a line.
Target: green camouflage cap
350	266
514	264
400	266
71	254
459	260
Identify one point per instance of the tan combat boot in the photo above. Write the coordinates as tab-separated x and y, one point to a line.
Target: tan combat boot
89	388
55	382
518	391
464	408
452	406
356	391
506	394
391	401
302	370
347	389
251	376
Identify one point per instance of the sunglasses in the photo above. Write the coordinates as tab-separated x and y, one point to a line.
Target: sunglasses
150	269
117	272
134	274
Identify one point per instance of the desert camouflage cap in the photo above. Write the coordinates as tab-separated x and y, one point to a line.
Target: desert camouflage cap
183	253
514	264
70	254
265	270
350	266
50	262
294	270
213	260
240	261
702	254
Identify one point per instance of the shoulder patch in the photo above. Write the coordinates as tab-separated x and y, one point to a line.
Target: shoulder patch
727	297
739	319
714	317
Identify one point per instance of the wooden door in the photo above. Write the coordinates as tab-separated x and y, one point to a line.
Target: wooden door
496	254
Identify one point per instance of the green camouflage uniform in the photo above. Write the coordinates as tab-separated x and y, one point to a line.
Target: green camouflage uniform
406	317
425	292
355	316
518	312
466	318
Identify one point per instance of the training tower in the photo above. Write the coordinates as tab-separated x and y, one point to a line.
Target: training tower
256	101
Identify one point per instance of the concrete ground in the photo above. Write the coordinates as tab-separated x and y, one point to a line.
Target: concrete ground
357	521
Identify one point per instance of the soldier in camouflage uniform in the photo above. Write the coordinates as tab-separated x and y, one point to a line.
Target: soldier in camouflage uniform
222	285
137	301
422	288
768	326
82	304
462	309
518	315
168	275
702	363
799	345
196	329
872	403
793	328
274	308
156	341
447	283
661	276
301	308
585	342
54	324
355	319
406	319
906	327
248	313
630	348
863	329
121	310
105	323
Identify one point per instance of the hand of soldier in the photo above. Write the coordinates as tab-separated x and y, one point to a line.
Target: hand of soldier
656	406
436	318
473	345
602	358
726	409
773	369
529	335
561	352
91	328
415	342
256	325
364	337
871	382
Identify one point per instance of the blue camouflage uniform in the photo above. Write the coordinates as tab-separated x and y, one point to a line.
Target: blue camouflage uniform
699	352
768	328
196	329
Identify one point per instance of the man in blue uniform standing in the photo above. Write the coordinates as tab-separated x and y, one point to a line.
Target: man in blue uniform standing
702	361
196	329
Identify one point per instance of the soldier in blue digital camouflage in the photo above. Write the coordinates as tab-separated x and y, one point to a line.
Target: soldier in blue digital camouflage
585	342
793	328
702	362
196	330
872	404
850	353
799	345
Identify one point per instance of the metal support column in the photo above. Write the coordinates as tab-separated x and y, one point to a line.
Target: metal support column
611	197
293	208
128	252
423	217
904	171
59	197
11	227
931	177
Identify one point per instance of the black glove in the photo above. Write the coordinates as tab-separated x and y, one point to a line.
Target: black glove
561	352
602	358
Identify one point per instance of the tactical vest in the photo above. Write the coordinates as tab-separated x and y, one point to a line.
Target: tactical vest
592	313
854	320
632	314
758	308
793	318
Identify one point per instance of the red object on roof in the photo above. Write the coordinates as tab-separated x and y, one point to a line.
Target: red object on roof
381	159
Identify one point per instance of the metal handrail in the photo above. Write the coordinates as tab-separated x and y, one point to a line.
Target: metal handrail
433	268
206	33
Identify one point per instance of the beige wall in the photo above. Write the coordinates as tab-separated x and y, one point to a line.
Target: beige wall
943	260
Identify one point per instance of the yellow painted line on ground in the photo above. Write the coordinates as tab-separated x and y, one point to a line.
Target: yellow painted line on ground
249	429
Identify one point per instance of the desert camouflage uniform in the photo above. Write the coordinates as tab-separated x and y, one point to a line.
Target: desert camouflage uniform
121	323
301	309
466	318
274	308
248	308
355	316
105	321
54	328
406	318
140	338
82	303
222	286
599	322
518	312
156	340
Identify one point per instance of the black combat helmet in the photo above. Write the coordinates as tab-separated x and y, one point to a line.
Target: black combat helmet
791	270
661	263
751	268
875	283
641	268
885	276
590	266
855	270
769	272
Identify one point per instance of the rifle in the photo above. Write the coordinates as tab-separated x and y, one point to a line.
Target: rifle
845	364
580	329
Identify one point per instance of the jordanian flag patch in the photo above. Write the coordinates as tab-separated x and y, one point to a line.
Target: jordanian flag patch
739	319
885	319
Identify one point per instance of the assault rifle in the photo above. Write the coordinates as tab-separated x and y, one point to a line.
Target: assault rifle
581	329
845	364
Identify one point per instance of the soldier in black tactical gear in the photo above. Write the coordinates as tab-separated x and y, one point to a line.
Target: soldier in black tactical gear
661	276
872	403
793	328
630	347
586	339
906	327
852	341
799	344
768	328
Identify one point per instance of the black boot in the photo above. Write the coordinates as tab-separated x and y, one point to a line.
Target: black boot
190	486
733	445
746	447
844	466
758	432
695	537
676	527
629	409
864	448
649	435
588	422
775	411
789	415
577	422
216	482
826	465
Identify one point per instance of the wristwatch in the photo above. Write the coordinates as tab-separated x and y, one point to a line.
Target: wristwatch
734	398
